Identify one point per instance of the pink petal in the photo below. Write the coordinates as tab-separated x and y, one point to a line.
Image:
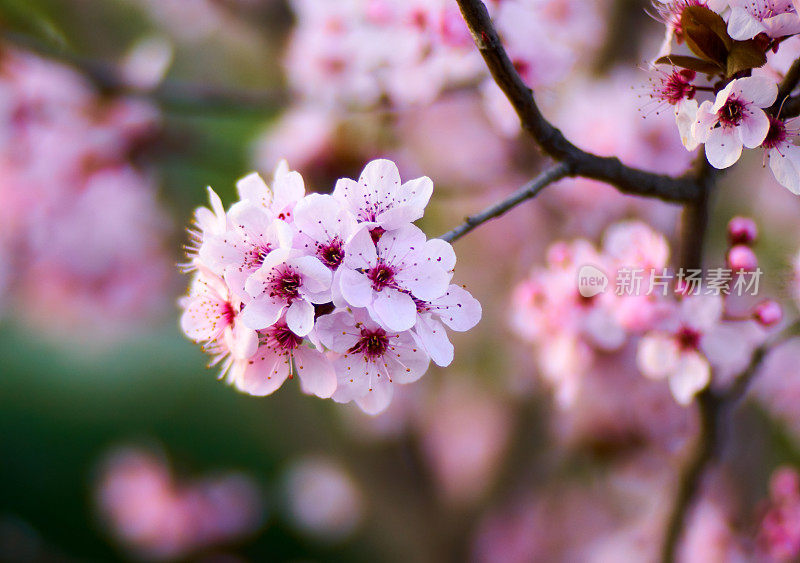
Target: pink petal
316	373
356	288
692	374
742	25
657	355
702	312
262	375
409	362
753	129
300	317
723	148
244	341
457	308
316	276
757	89
432	335
440	253
360	251
377	399
253	188
786	168
203	320
381	178
394	310
337	331
261	313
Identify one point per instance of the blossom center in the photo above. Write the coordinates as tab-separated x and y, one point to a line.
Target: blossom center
256	255
332	253
281	337
228	313
381	276
677	87
372	344
688	338
732	113
286	285
776	134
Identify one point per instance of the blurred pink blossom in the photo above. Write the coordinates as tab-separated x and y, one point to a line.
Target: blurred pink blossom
158	518
322	498
85	219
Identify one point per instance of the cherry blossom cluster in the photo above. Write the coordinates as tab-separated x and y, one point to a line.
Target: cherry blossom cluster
158	517
80	227
361	54
341	290
732	53
674	330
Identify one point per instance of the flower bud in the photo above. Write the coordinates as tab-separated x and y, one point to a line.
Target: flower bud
742	257
742	230
768	313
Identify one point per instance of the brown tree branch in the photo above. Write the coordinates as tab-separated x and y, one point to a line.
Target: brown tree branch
526	192
785	104
581	163
692	473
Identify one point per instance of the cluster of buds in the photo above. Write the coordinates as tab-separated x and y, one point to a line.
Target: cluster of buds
725	44
742	236
341	290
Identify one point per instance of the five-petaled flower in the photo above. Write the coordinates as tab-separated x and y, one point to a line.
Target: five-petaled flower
734	119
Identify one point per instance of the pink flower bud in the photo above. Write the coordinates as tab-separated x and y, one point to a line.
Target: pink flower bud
768	313
742	230
742	257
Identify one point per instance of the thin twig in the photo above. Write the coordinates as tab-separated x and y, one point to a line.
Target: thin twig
607	169
526	192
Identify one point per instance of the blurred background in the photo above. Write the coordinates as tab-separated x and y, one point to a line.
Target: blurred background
118	443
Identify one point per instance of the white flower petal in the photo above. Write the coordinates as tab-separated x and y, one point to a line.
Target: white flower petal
723	148
316	373
395	310
356	289
657	355
300	317
691	375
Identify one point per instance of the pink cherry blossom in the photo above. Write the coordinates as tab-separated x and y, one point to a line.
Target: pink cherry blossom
776	18
783	154
564	326
379	199
239	251
282	354
387	277
287	189
323	499
734	119
457	309
676	353
324	225
371	360
289	282
211	315
159	518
